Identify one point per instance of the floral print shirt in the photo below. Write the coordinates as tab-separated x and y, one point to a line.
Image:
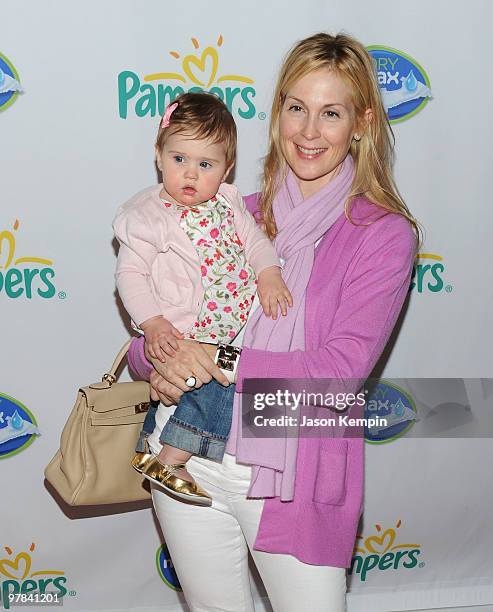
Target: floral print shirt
228	279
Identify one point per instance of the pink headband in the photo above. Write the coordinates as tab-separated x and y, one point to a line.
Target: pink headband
168	113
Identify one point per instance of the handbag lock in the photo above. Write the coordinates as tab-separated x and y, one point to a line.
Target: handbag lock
142	407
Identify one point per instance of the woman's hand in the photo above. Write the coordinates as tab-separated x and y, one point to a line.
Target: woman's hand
192	359
162	390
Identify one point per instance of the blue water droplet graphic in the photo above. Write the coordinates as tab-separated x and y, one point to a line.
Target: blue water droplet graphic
16	421
411	82
2	76
399	408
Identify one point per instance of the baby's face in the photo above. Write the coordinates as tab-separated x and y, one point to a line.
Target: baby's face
192	169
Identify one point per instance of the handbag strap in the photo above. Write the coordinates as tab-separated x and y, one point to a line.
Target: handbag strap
110	377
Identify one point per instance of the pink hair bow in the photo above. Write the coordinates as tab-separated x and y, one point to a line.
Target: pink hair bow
168	113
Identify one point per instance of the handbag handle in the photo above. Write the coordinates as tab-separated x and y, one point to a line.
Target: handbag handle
110	377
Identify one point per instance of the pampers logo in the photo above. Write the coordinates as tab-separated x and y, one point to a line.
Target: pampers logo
21	586
10	86
378	552
396	409
428	274
404	84
199	72
18	427
165	568
24	276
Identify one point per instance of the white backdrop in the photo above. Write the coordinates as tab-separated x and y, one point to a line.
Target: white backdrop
68	159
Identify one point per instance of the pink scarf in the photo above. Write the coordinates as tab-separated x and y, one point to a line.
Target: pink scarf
301	223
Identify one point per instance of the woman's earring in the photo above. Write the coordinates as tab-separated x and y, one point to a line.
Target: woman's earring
357	137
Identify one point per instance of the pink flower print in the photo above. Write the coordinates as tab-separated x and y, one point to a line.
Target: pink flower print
230	267
235	294
231	286
227	309
242	317
214	233
243	274
196	324
204	223
211	306
231	334
218	255
203	324
167	204
203	270
241	306
201	242
209	261
209	320
213	336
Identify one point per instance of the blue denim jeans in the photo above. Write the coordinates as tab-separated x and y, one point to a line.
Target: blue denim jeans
148	426
200	423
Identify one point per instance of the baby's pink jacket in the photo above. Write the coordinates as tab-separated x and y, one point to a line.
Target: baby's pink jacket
158	269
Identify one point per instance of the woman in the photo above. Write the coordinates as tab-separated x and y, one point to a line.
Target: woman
347	239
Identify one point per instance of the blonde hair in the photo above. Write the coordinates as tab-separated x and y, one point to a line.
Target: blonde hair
372	154
203	116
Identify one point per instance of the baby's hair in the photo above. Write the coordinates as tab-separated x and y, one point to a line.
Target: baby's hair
203	116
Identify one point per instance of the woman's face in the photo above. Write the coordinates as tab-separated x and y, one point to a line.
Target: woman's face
317	124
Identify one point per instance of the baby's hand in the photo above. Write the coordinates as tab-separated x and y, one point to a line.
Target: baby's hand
272	292
161	337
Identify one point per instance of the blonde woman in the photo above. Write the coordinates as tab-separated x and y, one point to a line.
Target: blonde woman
348	242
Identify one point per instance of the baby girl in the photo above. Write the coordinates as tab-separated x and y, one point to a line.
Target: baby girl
190	261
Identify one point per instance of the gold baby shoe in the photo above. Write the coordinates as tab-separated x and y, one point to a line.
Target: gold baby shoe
140	459
164	476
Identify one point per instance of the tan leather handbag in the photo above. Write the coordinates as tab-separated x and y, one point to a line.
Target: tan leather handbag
98	441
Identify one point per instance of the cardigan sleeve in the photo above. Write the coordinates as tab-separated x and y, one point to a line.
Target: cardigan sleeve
259	250
136	255
137	361
376	284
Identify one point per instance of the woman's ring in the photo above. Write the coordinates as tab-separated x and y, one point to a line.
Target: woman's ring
191	382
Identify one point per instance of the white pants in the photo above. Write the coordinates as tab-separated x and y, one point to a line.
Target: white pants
209	548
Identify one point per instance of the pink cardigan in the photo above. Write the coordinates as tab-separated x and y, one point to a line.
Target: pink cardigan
158	269
358	284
